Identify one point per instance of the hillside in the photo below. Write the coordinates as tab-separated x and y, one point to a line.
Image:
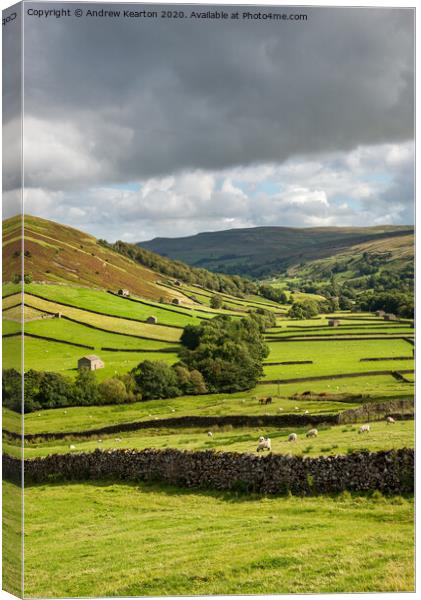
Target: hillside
61	254
392	254
264	251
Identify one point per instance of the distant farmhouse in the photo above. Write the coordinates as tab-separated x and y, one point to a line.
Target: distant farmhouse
333	323
90	362
124	293
390	317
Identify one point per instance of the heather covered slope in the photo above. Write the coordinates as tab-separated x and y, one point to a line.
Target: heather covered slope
57	253
263	251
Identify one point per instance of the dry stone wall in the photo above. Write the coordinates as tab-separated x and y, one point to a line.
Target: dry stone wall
391	472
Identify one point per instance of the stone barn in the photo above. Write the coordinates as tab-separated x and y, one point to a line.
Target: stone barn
124	293
390	317
175	301
333	323
152	320
90	362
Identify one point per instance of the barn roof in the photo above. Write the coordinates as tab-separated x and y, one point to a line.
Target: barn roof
91	357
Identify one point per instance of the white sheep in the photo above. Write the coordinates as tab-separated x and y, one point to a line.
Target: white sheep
210	434
264	444
280	409
312	433
306	412
292	437
390	420
364	429
72	447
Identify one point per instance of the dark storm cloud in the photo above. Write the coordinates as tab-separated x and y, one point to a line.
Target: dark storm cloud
136	98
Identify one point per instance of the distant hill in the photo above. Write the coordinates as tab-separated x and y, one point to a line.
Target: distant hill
264	251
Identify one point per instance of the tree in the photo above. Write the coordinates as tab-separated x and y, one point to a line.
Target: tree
216	301
113	391
156	379
86	388
12	389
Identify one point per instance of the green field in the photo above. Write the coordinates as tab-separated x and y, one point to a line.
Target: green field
112	539
338	439
336	357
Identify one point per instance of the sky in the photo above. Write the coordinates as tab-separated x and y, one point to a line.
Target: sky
138	128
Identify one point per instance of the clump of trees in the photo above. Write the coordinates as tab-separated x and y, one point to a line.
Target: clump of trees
43	389
398	303
272	293
229	353
306	309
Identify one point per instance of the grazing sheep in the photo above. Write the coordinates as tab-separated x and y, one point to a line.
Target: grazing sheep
390	420
312	433
296	408
210	434
263	444
280	408
72	447
306	412
292	437
364	429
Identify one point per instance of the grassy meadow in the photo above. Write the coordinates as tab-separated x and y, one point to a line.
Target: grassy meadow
108	539
116	539
338	439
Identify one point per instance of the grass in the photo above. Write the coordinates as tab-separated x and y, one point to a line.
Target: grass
335	357
12	538
108	539
97	300
90	417
339	439
44	355
112	324
62	329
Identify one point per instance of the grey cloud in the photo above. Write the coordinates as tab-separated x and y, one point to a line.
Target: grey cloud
148	98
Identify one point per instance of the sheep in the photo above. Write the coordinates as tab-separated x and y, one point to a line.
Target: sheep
263	444
292	437
312	433
210	434
296	408
72	447
390	420
280	409
306	412
364	429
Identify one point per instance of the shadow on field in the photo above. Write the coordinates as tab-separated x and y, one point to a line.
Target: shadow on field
232	497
